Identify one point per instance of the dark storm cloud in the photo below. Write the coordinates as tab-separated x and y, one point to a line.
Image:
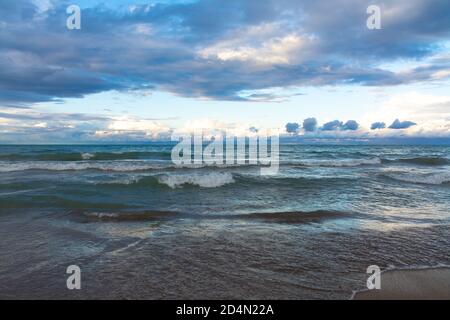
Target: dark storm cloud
397	124
157	46
377	125
310	124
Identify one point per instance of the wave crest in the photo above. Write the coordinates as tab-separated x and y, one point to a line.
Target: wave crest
125	166
425	161
126	216
79	156
208	180
431	178
340	163
296	216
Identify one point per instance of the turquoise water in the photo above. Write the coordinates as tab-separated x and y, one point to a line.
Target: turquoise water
140	227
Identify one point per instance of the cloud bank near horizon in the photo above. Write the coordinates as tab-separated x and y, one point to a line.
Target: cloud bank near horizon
417	116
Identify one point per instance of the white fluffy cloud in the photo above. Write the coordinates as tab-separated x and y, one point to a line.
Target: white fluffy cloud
133	127
263	45
430	112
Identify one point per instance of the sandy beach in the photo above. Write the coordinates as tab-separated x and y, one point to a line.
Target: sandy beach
420	284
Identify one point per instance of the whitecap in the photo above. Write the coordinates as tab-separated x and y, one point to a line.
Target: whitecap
87	156
209	180
118	166
430	178
341	163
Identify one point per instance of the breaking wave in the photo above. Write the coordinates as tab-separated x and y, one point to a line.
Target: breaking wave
204	180
217	179
295	216
86	162
78	156
87	156
126	216
133	155
431	178
208	180
339	163
119	166
115	166
425	161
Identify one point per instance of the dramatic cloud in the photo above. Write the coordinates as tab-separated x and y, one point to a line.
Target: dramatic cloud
242	50
214	49
292	127
332	125
377	125
397	124
350	125
310	124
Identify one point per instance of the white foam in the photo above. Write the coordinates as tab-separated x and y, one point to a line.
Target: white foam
123	180
432	178
87	156
119	166
341	163
111	165
101	215
209	180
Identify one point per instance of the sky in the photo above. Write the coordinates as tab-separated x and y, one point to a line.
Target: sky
142	70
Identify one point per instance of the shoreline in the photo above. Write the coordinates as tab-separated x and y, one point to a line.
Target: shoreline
427	283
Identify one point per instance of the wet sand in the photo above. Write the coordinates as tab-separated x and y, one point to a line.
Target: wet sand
189	257
419	284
